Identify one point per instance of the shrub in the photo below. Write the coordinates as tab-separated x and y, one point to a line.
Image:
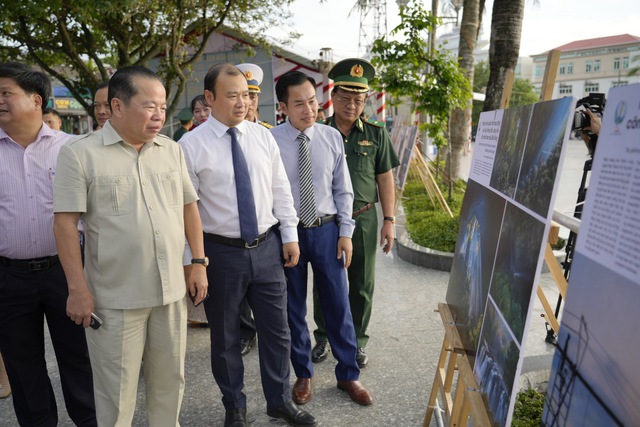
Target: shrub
427	224
528	409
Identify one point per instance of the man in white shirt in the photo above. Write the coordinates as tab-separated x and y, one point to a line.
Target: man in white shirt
244	194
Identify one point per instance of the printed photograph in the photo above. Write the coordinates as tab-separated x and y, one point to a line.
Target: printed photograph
542	154
516	266
480	219
513	134
496	364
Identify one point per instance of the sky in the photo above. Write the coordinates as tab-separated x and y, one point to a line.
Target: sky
547	24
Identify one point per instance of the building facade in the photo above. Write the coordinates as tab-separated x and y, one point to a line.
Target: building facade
591	66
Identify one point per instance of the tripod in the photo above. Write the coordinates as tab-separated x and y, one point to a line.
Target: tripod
571	241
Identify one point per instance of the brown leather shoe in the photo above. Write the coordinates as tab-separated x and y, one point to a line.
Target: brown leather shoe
356	391
301	391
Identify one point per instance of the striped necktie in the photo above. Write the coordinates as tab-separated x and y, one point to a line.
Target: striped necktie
244	192
308	212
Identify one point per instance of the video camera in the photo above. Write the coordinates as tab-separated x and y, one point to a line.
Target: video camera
594	102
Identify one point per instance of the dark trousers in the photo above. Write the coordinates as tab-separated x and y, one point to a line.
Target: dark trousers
257	274
26	297
247	324
318	246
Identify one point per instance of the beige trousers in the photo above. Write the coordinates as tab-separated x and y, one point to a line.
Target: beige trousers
157	334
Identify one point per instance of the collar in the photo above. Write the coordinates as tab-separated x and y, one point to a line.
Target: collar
45	131
359	123
293	133
220	129
110	136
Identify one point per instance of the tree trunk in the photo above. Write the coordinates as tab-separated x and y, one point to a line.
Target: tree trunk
460	122
506	28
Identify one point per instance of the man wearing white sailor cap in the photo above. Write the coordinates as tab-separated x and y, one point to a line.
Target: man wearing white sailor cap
254	76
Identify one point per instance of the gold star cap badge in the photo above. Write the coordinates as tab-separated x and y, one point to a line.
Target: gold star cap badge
253	74
353	74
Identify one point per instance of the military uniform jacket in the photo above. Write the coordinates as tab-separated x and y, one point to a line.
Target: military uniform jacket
369	153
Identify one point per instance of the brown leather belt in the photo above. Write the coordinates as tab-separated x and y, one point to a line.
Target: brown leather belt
31	264
237	242
361	210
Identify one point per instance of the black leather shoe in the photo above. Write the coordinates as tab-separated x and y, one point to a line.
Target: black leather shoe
293	415
320	351
247	345
235	417
361	358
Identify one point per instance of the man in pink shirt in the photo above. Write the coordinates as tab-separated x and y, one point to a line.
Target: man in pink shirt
32	283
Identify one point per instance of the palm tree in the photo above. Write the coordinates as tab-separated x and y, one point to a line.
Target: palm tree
460	123
506	28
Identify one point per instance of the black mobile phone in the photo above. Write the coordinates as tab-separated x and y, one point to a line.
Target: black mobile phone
96	322
193	298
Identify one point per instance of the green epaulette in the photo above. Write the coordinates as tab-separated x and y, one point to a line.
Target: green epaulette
375	123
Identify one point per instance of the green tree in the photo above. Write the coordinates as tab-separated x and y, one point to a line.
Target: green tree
402	69
82	42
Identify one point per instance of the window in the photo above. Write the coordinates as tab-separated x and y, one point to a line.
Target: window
570	68
561	69
616	63
588	66
566	90
619	83
625	62
538	71
591	87
596	65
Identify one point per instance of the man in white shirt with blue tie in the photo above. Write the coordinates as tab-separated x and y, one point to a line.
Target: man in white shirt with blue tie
244	195
313	156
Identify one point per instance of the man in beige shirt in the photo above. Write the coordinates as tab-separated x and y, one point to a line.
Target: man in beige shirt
133	190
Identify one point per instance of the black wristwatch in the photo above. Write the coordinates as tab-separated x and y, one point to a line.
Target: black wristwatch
390	218
204	261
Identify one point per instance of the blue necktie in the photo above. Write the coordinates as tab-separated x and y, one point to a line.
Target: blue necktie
244	192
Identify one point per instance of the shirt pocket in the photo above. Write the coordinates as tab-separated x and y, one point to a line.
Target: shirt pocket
115	194
365	158
171	188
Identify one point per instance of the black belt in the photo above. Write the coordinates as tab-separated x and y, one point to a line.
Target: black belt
320	221
361	210
31	264
237	243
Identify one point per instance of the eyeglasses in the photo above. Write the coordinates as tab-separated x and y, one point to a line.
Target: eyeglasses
346	101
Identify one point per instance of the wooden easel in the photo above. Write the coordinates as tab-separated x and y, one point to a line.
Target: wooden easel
468	398
548	82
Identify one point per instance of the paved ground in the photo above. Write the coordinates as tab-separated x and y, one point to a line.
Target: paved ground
406	336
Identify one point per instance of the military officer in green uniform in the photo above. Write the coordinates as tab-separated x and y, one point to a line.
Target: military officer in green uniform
254	76
186	121
370	158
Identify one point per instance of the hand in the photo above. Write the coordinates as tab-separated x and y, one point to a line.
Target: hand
196	279
291	254
80	306
345	246
387	236
596	122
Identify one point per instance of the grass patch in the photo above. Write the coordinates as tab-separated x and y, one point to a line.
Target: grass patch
427	224
528	409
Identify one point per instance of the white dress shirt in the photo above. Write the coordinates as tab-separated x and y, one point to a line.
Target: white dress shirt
26	194
207	151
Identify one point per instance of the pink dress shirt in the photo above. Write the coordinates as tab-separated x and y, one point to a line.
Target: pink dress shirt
26	194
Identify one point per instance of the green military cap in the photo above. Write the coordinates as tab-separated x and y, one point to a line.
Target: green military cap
185	114
253	74
352	74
